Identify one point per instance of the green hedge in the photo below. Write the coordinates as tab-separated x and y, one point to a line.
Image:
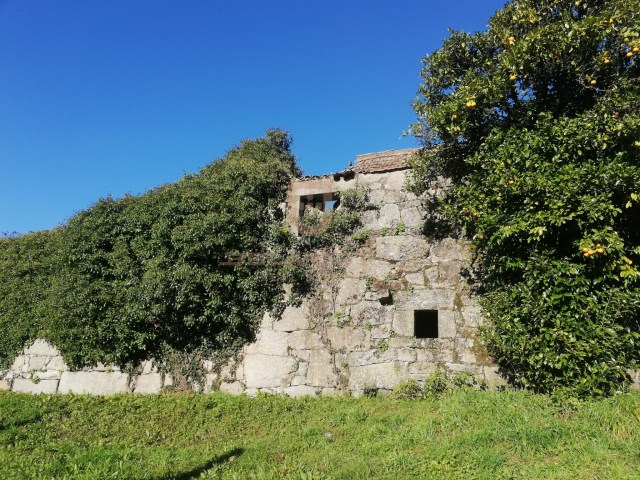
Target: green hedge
138	277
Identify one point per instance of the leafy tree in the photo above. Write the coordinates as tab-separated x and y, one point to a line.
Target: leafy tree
536	122
142	277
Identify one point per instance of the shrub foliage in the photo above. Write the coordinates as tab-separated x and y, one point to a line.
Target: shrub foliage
26	269
138	277
536	121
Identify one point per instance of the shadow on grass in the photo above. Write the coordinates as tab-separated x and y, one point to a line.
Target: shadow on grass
196	472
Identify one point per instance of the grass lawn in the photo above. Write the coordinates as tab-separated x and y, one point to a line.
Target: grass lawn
465	435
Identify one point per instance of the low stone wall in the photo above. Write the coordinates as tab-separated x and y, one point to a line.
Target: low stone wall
41	369
356	334
360	335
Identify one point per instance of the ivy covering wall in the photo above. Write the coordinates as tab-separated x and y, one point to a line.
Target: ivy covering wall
139	277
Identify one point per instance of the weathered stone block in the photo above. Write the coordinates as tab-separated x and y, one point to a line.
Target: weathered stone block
395	180
350	291
148	383
347	338
377	269
389	197
415	278
429	355
303	367
49	375
42	347
427	299
366	357
431	275
388	215
447	323
18	363
269	343
36	362
400	247
406	355
94	383
402	342
472	315
449	272
380	331
57	363
450	249
23	385
403	323
304	340
293	318
382	375
265	371
378	295
234	388
376	314
422	367
321	375
301	391
412	217
330	392
4	385
300	355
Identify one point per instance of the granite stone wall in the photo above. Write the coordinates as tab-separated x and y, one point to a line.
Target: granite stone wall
356	334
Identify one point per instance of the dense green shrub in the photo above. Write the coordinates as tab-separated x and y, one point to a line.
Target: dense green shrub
140	277
536	121
26	266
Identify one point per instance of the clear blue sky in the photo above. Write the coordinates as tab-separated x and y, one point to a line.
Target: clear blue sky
107	97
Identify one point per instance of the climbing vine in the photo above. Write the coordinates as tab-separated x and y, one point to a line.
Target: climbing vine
134	278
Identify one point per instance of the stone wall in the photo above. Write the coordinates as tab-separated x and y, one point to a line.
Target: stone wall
41	369
357	334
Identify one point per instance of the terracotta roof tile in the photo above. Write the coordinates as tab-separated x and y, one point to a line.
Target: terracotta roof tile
387	161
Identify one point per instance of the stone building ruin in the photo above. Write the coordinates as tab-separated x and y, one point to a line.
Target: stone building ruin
395	308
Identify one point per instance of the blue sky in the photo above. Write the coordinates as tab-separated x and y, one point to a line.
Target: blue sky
111	97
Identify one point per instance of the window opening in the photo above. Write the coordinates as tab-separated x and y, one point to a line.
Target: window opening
330	205
323	202
425	323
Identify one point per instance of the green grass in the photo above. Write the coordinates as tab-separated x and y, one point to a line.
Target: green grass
465	435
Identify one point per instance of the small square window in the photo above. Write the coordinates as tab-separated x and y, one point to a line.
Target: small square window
425	323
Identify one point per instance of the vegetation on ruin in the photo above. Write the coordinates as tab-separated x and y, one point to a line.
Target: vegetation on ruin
26	271
536	121
140	277
461	435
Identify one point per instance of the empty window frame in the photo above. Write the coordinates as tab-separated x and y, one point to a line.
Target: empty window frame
324	202
425	323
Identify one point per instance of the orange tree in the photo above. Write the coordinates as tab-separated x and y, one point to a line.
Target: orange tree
536	122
